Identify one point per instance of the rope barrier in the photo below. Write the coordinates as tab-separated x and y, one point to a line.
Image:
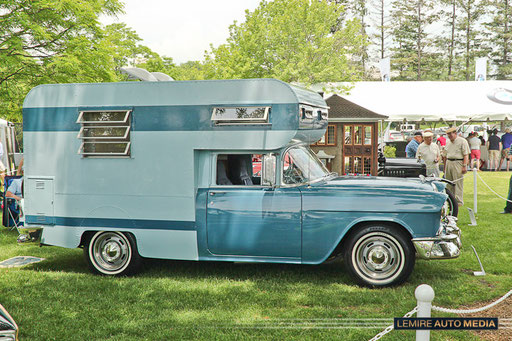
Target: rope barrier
492	189
471	311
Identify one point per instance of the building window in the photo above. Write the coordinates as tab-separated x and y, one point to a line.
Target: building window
348	134
240	115
104	133
367	135
331	135
329	139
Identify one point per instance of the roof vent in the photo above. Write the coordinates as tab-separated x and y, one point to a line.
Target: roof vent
145	75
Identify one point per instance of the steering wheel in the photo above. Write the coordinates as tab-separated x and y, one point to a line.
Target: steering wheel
292	175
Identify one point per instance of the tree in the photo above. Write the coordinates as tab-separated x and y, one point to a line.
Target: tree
470	39
411	52
360	10
500	28
382	26
35	32
192	70
291	40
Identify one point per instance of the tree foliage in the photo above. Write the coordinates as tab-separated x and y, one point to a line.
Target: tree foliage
45	40
292	40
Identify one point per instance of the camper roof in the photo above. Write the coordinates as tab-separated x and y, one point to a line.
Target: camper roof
172	93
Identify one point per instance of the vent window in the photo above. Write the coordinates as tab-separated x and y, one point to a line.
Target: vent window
240	115
104	133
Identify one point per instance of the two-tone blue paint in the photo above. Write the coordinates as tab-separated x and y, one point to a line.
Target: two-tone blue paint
165	193
172	138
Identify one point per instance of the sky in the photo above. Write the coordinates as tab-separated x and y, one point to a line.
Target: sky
182	30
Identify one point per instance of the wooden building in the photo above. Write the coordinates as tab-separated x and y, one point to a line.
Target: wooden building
350	144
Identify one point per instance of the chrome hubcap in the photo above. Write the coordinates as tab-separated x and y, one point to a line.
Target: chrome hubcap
378	256
111	251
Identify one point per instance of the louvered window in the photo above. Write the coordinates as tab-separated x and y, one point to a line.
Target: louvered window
104	133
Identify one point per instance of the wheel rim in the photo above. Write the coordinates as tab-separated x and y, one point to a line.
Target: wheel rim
447	207
110	252
378	257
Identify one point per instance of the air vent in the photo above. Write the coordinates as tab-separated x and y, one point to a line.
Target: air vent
39	184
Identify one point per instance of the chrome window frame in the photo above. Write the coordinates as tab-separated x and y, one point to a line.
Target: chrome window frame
241	121
81	115
213	181
80	136
124	139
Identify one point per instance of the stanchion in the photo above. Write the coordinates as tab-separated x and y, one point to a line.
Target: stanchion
424	295
475	204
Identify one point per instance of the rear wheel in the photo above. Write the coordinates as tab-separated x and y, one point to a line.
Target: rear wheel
379	255
112	253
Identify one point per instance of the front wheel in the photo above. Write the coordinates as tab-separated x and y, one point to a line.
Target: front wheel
451	204
112	253
379	256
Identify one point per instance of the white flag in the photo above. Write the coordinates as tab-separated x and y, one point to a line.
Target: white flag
385	69
481	69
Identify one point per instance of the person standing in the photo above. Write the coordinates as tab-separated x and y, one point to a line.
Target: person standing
494	146
506	141
474	144
456	159
412	147
429	152
441	141
508	206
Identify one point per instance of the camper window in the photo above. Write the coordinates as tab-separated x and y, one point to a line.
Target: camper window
240	115
104	133
239	169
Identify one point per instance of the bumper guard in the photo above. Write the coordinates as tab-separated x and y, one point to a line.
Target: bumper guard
445	245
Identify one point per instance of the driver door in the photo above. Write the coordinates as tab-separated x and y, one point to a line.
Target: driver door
258	221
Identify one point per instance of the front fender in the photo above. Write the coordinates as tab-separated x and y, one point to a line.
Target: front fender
323	231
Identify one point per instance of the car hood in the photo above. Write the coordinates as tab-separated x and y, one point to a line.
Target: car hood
377	194
389	183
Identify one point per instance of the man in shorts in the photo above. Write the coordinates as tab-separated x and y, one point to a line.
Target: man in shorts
506	141
474	145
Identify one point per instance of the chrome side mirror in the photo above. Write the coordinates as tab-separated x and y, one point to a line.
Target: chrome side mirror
268	172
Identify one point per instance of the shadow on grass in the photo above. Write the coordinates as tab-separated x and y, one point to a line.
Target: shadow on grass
74	262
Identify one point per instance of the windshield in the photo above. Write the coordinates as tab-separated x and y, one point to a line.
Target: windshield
301	165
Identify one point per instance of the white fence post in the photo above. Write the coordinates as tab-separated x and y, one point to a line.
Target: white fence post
475	205
424	296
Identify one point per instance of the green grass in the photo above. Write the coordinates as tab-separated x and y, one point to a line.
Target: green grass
58	299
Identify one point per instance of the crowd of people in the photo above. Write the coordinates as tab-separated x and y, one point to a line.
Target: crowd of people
458	153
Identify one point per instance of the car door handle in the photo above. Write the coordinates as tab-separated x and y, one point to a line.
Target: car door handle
216	192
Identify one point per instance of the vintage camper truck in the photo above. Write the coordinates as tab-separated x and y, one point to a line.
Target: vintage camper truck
214	170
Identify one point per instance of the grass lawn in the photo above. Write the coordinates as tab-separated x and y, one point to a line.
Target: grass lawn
58	299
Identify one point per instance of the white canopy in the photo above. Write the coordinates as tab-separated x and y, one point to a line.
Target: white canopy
433	101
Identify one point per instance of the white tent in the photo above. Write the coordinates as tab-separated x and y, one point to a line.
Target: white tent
433	101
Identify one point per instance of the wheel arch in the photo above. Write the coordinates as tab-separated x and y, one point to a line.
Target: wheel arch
87	235
355	226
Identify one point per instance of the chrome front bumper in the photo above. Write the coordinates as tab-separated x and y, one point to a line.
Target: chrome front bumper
445	245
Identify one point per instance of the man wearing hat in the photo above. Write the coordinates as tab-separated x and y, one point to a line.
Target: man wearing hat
429	152
456	159
412	147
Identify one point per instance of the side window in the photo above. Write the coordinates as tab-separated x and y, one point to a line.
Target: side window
240	115
292	174
104	133
239	169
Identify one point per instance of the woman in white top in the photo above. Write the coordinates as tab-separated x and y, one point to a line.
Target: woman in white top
474	145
